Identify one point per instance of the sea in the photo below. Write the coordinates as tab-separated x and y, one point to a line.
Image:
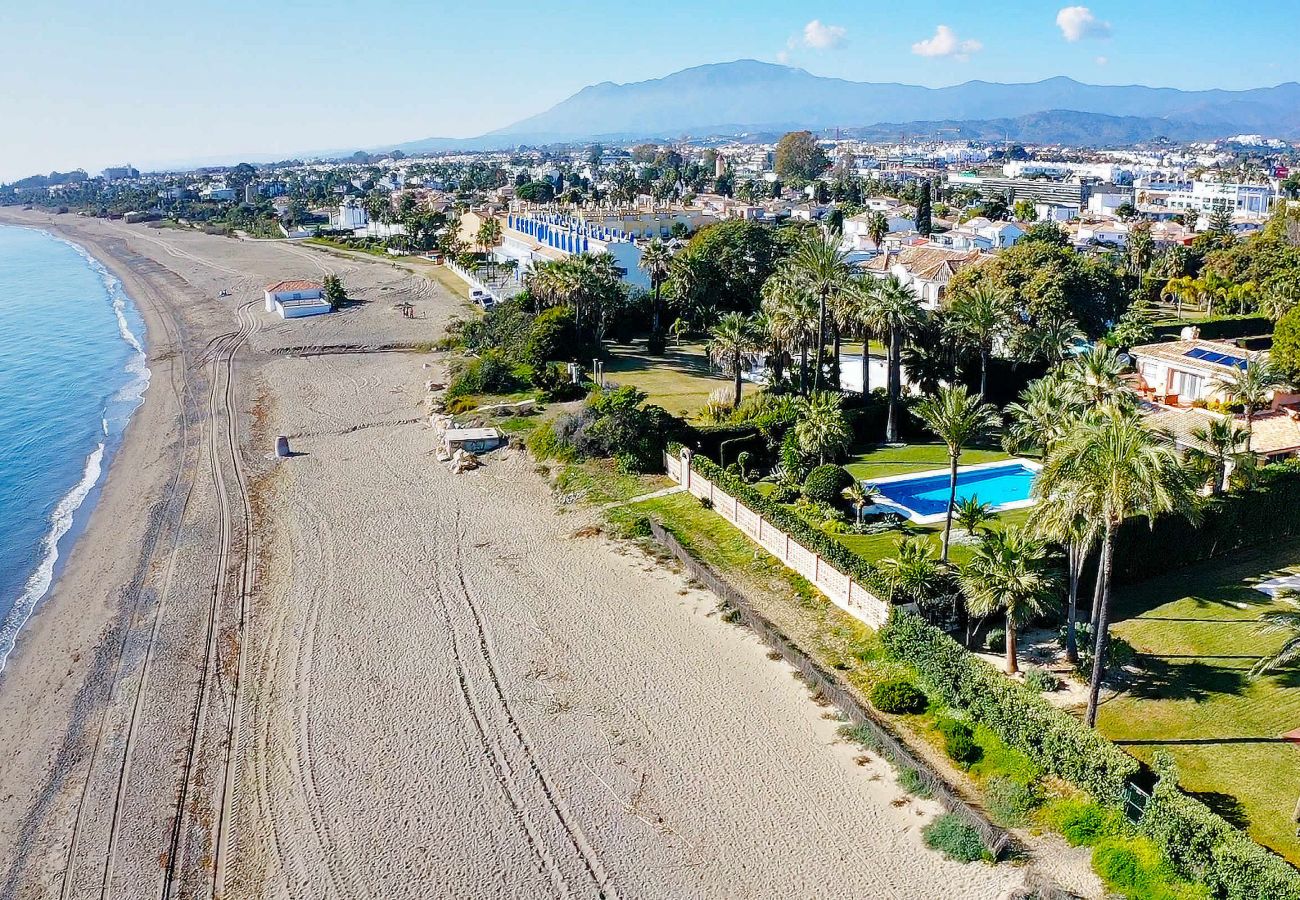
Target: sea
72	371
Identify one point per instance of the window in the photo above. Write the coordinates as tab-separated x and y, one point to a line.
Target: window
1187	386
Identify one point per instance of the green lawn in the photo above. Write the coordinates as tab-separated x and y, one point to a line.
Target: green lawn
1195	633
680	381
882	461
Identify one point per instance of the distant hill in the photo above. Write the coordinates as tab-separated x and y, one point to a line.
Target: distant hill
750	96
1055	126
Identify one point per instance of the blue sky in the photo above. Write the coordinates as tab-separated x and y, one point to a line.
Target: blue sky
153	82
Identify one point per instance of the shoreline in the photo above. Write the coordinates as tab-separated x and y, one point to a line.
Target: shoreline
75	507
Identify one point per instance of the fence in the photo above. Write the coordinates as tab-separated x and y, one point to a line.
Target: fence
882	740
842	590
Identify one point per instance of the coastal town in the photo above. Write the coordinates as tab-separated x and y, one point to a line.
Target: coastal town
870	510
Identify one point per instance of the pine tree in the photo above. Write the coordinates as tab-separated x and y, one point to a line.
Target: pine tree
923	210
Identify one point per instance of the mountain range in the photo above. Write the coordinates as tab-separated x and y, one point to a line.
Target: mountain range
748	97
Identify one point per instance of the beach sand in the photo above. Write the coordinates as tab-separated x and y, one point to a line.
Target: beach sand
446	691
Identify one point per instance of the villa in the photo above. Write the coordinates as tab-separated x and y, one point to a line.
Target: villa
926	269
1182	373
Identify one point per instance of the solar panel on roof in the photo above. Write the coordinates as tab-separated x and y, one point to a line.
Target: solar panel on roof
1195	353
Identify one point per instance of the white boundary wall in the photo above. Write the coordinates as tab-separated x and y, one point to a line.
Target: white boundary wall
839	588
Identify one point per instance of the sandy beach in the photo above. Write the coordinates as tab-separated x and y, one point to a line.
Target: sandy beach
421	684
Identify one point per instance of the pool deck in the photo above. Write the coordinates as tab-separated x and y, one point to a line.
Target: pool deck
919	519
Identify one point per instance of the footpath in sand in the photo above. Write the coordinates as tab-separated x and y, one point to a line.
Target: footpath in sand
454	696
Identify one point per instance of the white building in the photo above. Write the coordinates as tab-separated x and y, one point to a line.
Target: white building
1180	373
857	228
350	216
218	192
295	299
926	269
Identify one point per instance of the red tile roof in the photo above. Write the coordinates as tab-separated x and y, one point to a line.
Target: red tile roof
281	287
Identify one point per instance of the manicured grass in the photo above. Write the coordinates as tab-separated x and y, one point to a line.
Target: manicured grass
883	461
599	481
680	381
872	547
1195	631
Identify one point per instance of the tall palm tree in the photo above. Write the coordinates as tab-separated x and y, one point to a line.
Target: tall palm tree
981	315
822	268
860	311
792	316
959	420
1120	470
1009	573
1221	448
895	311
877	228
1047	408
1251	386
489	233
657	263
1069	518
821	429
1282	621
1050	340
732	346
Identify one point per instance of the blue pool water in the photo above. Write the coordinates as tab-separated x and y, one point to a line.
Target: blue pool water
72	370
995	486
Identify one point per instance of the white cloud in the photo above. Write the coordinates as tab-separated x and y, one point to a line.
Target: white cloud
946	43
1078	22
823	37
1102	60
783	57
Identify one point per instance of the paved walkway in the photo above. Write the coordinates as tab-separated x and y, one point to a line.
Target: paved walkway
675	489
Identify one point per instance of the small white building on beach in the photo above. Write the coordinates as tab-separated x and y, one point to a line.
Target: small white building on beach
295	299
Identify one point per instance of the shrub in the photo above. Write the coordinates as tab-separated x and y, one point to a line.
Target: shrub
504	327
491	373
898	695
784	493
458	405
910	780
996	640
1041	680
796	463
959	742
1133	867
954	839
1008	801
1050	737
553	380
1084	823
620	425
825	484
544	443
552	335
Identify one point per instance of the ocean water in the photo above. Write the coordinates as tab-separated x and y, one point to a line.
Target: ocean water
72	371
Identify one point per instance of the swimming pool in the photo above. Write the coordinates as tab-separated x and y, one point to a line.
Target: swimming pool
923	497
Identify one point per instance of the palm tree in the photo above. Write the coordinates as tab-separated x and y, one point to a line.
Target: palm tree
732	346
1068	517
1115	467
1050	340
859	309
981	315
489	234
1185	290
1009	573
877	228
821	429
895	311
958	419
861	496
1282	621
1097	378
972	515
792	316
1251	386
914	574
656	262
822	269
1222	448
1046	409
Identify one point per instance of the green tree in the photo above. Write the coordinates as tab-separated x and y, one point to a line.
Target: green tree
877	228
1252	387
821	430
861	496
799	158
958	419
1285	355
914	573
980	315
791	315
821	269
1115	467
335	293
732	345
657	263
1024	211
1009	573
924	215
894	311
489	233
972	515
1221	448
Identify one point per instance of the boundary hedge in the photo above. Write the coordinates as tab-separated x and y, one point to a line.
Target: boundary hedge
1217	328
1050	736
824	545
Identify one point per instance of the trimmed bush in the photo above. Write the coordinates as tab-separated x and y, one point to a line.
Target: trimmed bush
1084	823
825	484
996	640
1050	737
954	839
1041	680
1008	801
959	742
898	695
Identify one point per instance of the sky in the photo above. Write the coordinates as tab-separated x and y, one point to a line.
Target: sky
90	83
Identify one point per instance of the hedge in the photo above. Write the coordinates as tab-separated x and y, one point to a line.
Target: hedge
1217	328
1051	737
829	549
1204	847
1198	844
1255	516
